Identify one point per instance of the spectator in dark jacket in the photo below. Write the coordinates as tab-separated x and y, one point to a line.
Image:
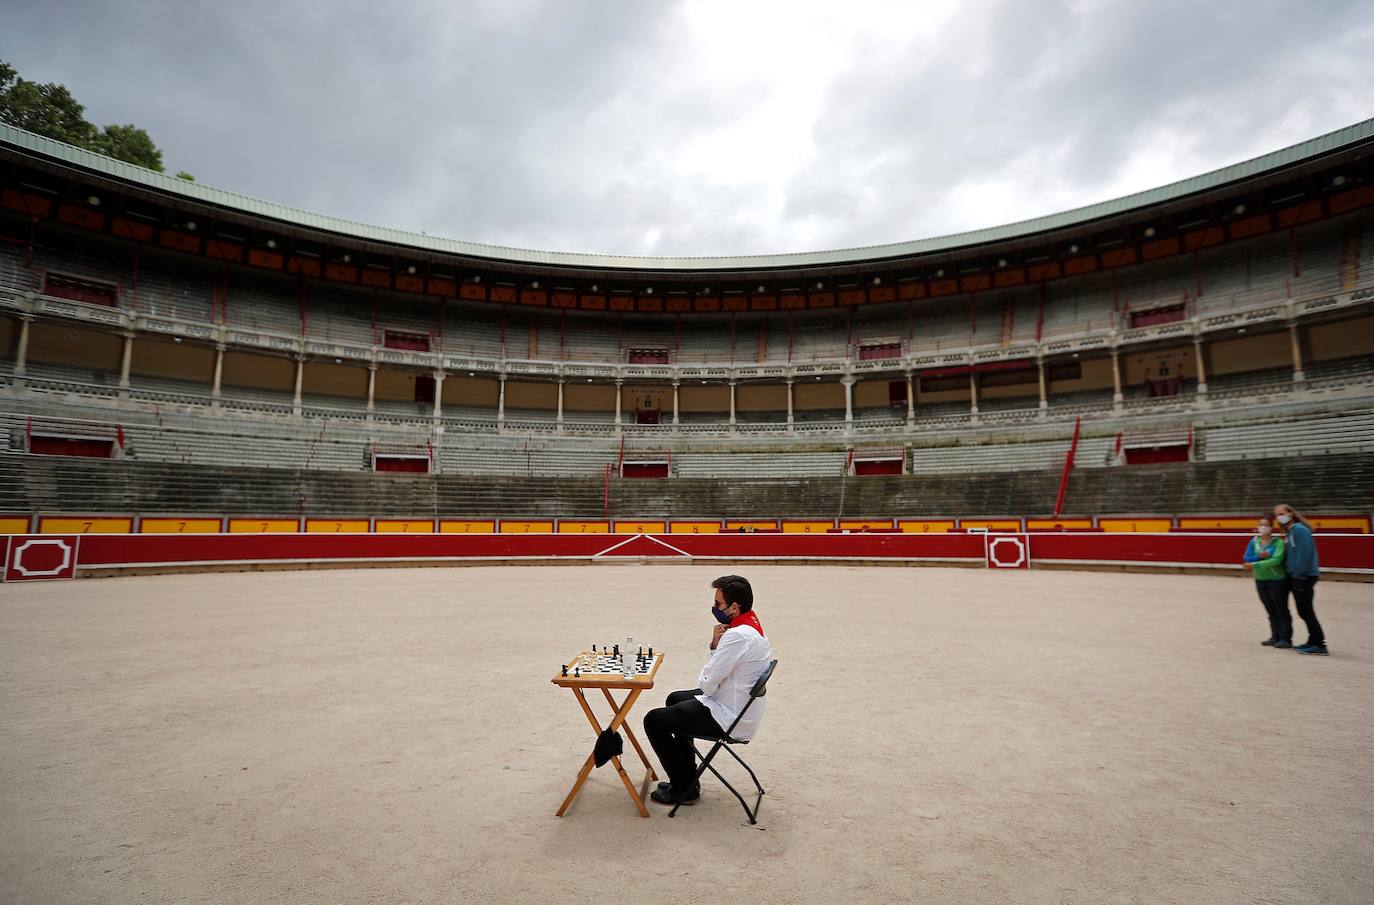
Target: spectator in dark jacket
1300	561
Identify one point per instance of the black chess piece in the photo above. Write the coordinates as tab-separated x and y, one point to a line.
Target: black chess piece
577	672
565	669
651	653
617	651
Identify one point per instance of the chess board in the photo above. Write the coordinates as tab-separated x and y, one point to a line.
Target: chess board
600	669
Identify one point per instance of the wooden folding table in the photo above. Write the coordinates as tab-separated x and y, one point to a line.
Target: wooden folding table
608	682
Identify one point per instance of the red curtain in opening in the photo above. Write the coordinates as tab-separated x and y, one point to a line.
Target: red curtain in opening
1152	455
402	463
71	446
644	470
877	466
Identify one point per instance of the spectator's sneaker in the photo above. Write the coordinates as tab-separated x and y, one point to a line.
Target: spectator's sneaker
1318	649
1282	645
1270	642
668	796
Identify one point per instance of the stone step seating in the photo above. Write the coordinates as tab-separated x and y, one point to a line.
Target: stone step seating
1092	452
1293	438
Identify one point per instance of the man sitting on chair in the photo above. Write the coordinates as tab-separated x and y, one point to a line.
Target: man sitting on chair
739	654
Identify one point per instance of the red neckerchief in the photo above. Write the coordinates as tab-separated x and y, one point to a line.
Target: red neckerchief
750	620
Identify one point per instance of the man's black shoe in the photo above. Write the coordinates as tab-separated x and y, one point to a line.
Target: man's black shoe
668	796
1269	642
1282	645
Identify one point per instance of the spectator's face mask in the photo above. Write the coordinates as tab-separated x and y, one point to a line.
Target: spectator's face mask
1265	530
1285	519
718	609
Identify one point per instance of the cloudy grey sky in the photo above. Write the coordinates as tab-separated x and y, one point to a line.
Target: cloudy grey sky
680	128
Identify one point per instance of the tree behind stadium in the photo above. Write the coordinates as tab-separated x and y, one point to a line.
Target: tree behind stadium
51	110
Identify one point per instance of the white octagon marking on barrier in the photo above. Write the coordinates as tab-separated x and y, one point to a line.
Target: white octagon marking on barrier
18	559
995	558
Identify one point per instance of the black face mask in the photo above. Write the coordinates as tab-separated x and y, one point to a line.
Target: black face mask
722	618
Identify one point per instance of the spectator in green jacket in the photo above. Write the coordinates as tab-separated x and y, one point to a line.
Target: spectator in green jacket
1301	564
1264	555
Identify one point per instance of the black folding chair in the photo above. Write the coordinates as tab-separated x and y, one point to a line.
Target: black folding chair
759	690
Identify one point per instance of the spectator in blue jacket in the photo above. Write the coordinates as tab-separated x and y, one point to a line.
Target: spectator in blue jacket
1300	560
1264	554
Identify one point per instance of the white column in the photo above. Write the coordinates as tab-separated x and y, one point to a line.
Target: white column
501	403
300	377
1116	380
216	384
21	355
676	385
732	403
438	395
1296	342
910	400
560	405
371	388
848	400
618	384
973	393
1201	368
790	403
127	362
1044	395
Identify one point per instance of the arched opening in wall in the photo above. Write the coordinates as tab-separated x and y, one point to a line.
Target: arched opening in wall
647	465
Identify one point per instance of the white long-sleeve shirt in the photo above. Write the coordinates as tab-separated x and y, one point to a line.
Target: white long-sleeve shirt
740	657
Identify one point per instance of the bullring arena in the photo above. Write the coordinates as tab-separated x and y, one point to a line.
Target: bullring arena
300	517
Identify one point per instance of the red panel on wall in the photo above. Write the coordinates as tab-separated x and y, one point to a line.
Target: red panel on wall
377	278
679	303
1349	201
705	303
912	290
882	294
224	251
944	287
1009	278
502	293
648	303
310	267
446	288
1118	257
269	259
1152	455
821	300
1047	271
563	300
131	229
41	557
81	216
1203	238
340	272
763	303
1300	213
852	297
592	302
170	238
1160	248
878	466
536	297
793	302
1083	264
975	283
33	205
622	303
410	283
473	291
1257	225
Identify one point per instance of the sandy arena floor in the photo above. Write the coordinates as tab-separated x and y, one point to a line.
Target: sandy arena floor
944	736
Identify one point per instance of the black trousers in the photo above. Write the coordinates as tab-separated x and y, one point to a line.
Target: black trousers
670	730
1303	589
1274	595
